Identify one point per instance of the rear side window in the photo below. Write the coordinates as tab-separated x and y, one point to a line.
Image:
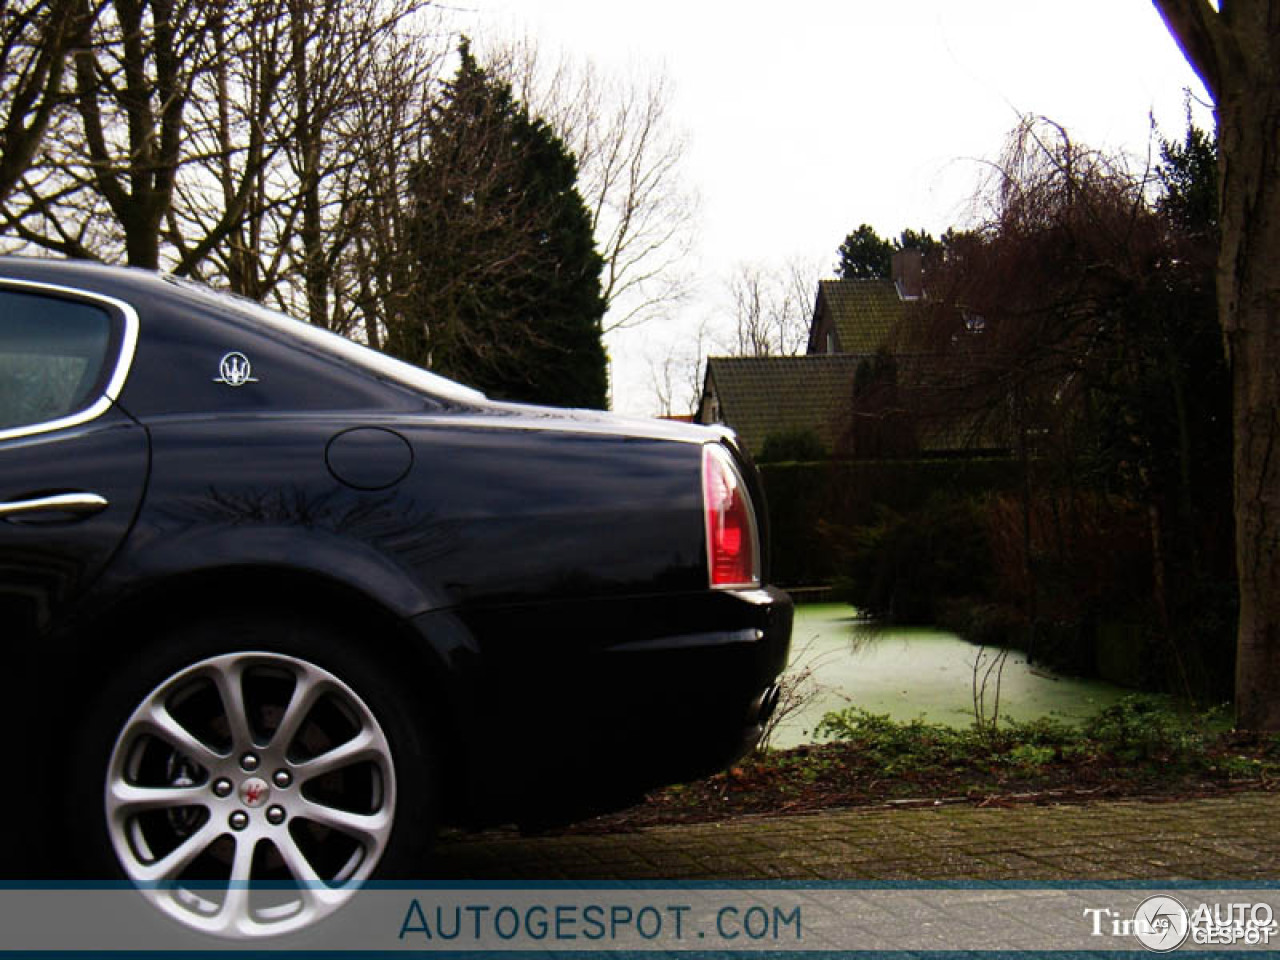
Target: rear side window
53	357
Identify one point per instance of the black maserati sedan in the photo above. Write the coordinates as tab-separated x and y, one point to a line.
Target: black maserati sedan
274	606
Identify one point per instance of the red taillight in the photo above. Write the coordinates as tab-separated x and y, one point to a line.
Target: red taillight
732	545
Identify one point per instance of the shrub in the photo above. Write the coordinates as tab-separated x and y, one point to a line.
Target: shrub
900	747
918	747
792	446
907	567
1142	731
816	508
1144	728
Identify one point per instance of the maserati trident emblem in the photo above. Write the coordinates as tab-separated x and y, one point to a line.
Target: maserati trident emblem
254	792
235	370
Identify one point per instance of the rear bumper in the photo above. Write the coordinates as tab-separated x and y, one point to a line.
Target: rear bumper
582	707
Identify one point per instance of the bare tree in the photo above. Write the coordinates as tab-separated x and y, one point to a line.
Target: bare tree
134	74
234	119
630	162
1234	46
771	308
103	183
354	68
263	144
36	37
309	121
389	144
385	132
676	372
767	315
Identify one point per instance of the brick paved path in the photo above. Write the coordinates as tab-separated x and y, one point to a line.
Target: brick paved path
1220	838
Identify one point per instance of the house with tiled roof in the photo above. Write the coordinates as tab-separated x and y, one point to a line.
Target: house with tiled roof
761	397
861	316
855	335
853	321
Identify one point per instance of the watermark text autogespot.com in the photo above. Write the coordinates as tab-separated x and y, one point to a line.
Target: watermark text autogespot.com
605	924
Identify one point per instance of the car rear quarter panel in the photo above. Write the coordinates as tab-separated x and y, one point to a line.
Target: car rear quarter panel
483	516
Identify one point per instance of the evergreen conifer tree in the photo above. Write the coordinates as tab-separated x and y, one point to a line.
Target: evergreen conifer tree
508	279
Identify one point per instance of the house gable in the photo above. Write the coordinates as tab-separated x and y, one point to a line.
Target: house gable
854	316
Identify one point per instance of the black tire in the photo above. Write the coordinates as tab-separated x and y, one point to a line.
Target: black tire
326	796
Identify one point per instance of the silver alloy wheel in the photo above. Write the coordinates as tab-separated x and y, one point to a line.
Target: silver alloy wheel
250	794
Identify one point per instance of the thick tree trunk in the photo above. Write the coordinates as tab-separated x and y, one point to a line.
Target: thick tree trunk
142	243
1236	50
1249	305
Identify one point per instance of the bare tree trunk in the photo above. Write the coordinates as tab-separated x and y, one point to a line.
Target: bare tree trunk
1249	302
1236	50
307	140
151	101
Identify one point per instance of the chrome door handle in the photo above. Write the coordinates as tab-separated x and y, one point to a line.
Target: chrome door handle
75	504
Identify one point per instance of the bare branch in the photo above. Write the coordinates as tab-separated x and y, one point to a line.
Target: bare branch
630	160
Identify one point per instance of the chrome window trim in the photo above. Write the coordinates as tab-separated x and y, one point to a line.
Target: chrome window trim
124	357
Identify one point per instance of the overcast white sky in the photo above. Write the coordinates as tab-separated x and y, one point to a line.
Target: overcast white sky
806	118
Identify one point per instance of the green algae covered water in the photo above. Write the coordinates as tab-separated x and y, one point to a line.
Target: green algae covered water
915	672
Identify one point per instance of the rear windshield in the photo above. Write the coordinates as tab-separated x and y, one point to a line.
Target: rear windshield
355	354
